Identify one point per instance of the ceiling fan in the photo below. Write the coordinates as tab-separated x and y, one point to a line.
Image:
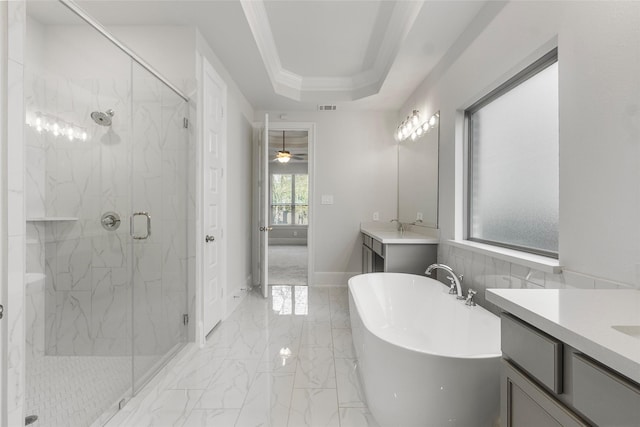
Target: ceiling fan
283	156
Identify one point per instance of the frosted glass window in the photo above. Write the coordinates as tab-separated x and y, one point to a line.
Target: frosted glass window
514	163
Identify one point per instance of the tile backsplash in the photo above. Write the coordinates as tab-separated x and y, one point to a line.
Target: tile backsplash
483	272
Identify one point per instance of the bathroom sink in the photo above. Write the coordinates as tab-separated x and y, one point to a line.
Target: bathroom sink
631	330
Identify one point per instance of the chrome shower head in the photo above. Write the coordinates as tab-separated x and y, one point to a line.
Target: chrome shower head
103	119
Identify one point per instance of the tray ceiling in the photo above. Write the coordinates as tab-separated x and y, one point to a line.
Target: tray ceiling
297	54
323	50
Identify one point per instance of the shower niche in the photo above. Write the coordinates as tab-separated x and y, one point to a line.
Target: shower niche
107	286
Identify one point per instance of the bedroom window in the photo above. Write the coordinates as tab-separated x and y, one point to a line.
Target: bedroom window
289	199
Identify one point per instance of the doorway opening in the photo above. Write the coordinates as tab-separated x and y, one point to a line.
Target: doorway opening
289	204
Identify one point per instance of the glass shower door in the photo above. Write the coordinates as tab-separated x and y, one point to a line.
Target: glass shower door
78	183
158	224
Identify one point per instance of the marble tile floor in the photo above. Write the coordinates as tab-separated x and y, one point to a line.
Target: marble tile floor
283	361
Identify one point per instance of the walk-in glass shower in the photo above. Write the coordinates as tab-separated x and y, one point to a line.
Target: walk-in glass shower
106	203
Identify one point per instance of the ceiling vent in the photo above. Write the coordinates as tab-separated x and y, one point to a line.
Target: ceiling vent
326	108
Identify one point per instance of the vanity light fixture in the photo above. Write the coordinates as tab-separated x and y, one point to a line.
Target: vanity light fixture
414	126
42	122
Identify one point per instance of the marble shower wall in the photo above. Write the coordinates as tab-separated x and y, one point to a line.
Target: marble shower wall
483	272
12	21
86	303
87	299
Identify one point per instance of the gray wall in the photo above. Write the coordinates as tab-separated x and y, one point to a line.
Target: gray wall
599	65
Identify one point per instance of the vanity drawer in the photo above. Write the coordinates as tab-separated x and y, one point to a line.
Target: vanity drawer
377	247
367	240
527	404
603	396
533	351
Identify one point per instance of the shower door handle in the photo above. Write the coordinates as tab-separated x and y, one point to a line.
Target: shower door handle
132	232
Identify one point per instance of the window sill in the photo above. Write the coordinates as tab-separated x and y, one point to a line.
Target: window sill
537	262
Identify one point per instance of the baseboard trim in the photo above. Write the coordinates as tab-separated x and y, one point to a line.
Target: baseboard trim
234	299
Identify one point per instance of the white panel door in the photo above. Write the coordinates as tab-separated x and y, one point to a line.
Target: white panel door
213	196
263	186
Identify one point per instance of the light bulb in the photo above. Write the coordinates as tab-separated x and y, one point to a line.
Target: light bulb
56	129
425	126
432	120
419	131
399	135
413	136
70	134
415	117
84	136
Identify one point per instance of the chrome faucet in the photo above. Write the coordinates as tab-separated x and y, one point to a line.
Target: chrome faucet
456	287
470	301
400	225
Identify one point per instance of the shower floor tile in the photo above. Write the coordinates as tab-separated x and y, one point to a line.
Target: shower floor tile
74	390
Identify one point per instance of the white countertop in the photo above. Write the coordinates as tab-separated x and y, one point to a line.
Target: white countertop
391	236
583	319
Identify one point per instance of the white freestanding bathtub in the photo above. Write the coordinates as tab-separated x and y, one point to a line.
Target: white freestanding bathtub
424	358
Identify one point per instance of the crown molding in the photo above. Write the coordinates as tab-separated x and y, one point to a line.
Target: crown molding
317	88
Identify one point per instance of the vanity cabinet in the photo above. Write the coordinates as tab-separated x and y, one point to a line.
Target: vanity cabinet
525	404
411	258
545	382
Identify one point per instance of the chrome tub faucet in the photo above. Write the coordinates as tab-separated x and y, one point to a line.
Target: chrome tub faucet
456	286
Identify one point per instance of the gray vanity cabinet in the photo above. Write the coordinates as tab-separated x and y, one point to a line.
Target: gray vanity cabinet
412	258
525	404
601	395
545	382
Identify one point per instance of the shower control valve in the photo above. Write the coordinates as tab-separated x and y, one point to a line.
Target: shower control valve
110	221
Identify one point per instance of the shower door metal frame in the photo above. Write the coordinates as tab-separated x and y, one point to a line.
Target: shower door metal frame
102	30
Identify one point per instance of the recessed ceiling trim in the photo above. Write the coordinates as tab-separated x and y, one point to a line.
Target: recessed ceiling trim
362	84
401	22
284	82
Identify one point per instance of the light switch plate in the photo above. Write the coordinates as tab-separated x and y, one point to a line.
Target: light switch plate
327	199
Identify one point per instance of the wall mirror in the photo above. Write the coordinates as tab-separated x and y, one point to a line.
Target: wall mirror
418	179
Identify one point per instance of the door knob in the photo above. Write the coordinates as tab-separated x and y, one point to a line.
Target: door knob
209	238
